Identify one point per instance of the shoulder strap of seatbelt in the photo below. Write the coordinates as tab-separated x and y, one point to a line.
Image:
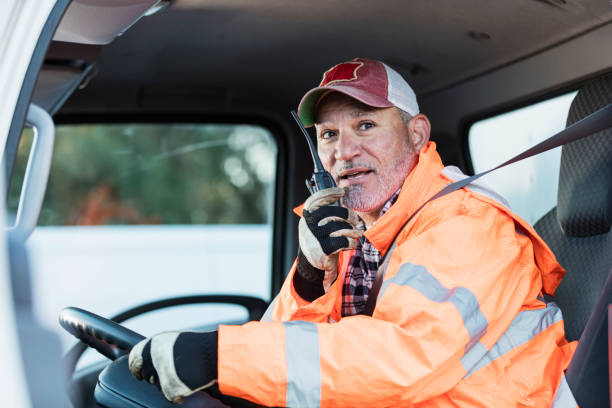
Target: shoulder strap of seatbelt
595	122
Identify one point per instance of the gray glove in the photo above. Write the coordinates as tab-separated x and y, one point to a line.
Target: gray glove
324	231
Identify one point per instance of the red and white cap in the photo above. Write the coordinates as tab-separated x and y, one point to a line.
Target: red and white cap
371	82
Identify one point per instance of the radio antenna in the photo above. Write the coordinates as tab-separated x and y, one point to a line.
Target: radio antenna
318	166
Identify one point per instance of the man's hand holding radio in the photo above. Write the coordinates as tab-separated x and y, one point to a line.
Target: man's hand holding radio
324	231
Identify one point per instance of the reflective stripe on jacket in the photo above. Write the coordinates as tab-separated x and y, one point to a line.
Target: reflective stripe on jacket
459	321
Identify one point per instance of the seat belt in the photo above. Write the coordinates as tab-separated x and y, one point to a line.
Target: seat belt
595	122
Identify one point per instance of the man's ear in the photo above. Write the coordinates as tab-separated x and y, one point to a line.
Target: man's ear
419	129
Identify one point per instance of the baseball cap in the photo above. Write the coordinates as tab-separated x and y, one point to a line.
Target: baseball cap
369	81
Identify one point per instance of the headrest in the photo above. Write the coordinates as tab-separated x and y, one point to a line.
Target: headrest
584	201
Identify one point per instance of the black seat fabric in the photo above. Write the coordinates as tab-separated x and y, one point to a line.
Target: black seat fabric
578	229
587	374
578	232
587	261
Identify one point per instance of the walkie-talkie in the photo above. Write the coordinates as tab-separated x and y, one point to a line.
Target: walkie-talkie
320	178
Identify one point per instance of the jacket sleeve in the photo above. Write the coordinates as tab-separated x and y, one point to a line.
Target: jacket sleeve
289	305
449	293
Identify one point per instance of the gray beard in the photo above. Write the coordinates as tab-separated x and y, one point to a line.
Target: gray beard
356	199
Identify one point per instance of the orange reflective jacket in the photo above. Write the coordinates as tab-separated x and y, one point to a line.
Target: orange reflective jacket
460	319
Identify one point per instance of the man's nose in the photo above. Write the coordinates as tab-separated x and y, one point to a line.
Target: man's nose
347	147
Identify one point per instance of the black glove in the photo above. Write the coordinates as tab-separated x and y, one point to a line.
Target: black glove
324	231
178	363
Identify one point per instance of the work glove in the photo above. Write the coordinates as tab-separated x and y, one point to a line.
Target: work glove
324	231
178	363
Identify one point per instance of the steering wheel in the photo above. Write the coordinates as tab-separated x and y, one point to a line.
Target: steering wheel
116	387
111	339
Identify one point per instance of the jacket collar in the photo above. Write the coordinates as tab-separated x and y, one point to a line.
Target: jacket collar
422	182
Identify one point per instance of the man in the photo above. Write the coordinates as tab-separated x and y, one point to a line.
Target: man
459	320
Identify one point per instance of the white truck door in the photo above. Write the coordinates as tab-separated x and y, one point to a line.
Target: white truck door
21	25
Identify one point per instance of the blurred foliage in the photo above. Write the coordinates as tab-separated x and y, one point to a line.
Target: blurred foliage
155	174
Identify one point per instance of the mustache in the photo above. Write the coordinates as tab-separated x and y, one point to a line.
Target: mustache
351	165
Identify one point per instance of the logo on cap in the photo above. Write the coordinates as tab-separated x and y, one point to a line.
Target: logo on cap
345	72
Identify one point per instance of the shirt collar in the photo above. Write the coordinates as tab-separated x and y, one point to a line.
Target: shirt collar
389	202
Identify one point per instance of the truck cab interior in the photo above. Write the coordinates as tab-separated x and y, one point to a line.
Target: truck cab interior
185	63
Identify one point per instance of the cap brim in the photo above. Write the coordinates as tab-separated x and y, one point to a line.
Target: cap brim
308	104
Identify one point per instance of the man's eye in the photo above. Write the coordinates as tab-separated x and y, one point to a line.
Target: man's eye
328	134
365	125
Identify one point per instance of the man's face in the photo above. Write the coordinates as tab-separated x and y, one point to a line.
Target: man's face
367	150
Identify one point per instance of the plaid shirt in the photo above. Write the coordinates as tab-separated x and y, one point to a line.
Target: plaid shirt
363	267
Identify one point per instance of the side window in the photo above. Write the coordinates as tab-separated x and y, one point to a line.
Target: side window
530	186
141	212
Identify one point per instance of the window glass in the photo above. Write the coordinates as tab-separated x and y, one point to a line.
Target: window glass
141	212
530	186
